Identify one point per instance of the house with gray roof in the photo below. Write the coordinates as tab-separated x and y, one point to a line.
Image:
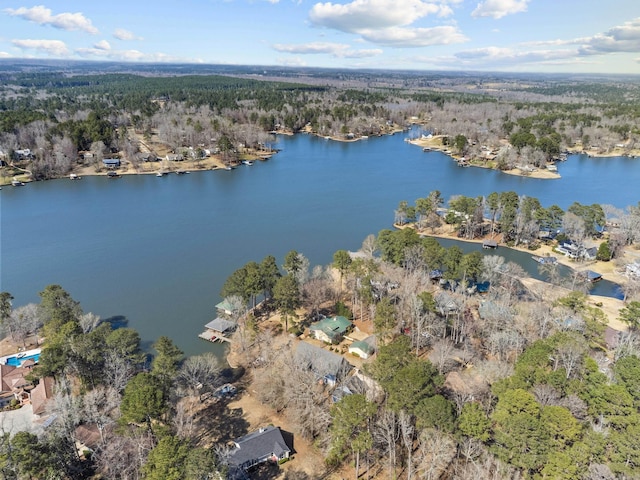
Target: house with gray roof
328	366
264	445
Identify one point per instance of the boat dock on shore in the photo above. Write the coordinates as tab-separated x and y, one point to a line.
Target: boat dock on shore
218	330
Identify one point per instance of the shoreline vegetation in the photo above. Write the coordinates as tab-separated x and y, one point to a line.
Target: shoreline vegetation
611	306
219	162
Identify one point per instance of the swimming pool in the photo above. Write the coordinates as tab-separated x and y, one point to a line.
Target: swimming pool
16	361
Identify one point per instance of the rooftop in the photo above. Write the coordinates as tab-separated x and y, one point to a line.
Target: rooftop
264	442
221	325
332	326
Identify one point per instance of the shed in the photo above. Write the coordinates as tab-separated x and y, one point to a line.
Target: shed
225	307
363	348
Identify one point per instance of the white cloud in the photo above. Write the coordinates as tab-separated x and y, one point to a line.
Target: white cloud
372	14
499	8
387	22
623	38
291	62
55	48
64	21
102	45
339	50
5	55
100	51
122	34
508	55
414	37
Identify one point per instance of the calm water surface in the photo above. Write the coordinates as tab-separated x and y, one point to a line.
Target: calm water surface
156	251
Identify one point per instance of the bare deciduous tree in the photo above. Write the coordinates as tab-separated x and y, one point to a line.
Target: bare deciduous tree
89	321
117	371
386	434
436	451
199	373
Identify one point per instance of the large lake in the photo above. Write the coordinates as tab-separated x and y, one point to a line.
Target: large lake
156	251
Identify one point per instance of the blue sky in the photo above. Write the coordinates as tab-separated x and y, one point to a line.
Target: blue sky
581	36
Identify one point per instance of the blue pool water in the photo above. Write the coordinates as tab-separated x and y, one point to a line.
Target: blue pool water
16	362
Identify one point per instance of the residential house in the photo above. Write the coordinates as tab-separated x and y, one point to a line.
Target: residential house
40	395
331	329
147	157
351	385
264	445
13	384
589	253
111	162
327	366
446	303
174	157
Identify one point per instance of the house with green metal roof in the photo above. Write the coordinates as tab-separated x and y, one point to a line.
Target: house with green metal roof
225	307
363	348
331	329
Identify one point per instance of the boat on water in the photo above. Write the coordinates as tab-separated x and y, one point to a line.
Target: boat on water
16	183
73	176
160	174
182	172
113	175
545	260
247	162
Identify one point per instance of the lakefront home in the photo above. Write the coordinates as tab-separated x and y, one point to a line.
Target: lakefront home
331	329
264	445
111	162
327	366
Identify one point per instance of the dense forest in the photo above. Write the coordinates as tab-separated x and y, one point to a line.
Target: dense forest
58	115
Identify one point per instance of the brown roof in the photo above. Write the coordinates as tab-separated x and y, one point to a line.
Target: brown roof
12	378
40	394
88	435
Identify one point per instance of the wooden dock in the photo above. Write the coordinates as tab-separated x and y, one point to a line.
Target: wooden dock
211	336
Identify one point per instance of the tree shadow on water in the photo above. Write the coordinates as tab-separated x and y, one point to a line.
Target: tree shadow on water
117	321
